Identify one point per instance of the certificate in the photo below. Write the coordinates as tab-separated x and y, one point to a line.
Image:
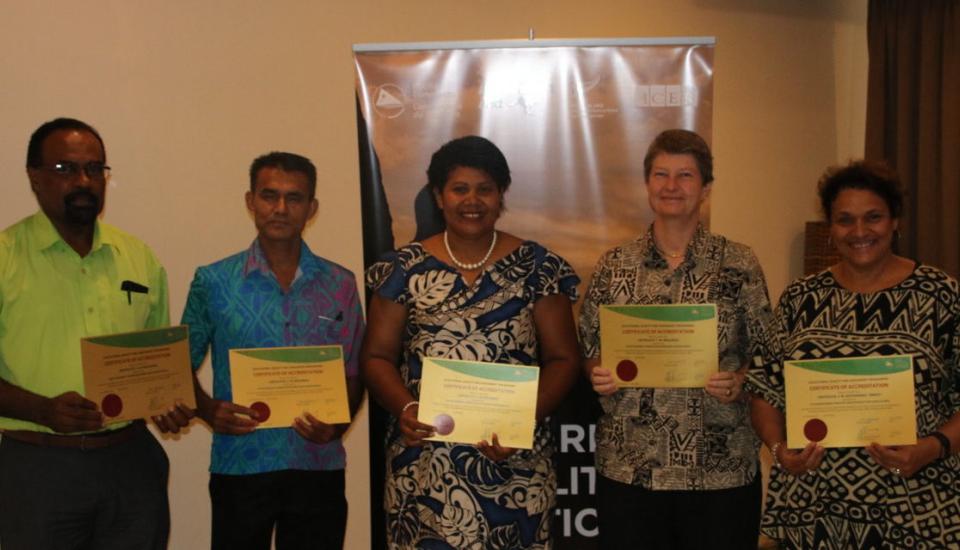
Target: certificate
469	401
283	383
850	402
659	346
138	374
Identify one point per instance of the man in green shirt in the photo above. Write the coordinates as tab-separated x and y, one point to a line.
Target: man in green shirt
67	479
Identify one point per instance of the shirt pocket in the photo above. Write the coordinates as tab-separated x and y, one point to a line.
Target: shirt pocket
326	328
130	309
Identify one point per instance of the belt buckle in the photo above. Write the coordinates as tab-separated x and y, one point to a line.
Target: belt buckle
83	442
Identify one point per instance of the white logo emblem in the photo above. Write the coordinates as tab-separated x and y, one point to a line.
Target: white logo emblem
388	100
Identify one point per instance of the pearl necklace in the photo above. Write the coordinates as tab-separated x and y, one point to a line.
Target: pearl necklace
466	266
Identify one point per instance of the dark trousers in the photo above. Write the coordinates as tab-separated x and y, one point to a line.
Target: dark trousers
636	518
307	508
101	499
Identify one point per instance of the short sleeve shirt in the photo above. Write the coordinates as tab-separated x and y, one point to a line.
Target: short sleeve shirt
238	303
682	438
50	298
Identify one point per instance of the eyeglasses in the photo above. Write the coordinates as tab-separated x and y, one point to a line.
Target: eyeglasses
93	170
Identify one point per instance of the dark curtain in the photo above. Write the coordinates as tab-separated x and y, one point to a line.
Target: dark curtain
913	119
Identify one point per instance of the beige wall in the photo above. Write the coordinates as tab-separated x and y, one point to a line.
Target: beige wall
187	93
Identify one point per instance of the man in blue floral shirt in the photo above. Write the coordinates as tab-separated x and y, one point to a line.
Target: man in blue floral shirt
277	293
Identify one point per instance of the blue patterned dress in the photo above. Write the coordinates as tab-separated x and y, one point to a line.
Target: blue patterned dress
449	496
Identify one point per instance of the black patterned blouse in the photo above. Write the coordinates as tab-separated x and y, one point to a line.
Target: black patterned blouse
850	501
682	438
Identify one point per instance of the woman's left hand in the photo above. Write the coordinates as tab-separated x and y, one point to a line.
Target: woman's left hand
725	386
905	460
494	451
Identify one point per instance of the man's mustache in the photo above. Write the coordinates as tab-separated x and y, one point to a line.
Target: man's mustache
71	198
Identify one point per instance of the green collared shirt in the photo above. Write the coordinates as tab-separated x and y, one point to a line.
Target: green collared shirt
50	298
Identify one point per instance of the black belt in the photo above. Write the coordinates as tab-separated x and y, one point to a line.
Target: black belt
84	442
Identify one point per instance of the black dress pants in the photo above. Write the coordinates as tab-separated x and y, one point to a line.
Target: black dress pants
636	518
101	499
306	508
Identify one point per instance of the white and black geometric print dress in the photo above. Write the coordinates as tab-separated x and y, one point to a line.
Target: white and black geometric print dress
850	501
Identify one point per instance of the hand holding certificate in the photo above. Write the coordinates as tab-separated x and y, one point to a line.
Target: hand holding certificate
138	374
850	402
281	384
469	401
659	346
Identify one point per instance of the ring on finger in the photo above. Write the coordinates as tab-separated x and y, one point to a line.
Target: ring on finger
896	471
729	392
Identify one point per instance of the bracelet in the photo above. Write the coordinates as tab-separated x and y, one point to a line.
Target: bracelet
407	406
944	443
773	453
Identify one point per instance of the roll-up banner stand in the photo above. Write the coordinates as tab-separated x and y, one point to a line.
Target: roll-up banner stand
574	119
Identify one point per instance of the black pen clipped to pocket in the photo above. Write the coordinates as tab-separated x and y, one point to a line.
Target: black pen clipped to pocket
130	286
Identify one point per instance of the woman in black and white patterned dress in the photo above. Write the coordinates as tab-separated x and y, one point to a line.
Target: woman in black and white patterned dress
872	302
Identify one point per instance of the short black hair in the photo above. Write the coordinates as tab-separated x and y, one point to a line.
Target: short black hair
288	162
874	176
680	142
39	136
468	152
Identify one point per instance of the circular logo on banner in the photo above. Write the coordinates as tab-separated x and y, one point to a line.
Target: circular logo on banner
444	424
111	405
626	370
263	411
389	100
815	430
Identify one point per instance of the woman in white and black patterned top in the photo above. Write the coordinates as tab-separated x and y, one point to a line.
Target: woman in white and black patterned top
678	466
872	302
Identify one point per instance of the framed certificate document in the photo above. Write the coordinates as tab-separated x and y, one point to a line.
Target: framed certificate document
468	401
138	374
659	346
850	402
283	383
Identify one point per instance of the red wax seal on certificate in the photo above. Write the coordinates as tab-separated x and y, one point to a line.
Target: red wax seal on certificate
111	405
815	430
444	424
263	411
626	370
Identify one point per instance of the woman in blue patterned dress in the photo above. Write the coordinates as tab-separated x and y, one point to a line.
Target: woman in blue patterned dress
871	302
471	293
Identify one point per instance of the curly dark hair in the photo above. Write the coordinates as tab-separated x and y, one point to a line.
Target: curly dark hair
877	177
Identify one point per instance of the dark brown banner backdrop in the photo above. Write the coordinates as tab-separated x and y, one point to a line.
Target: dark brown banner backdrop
573	118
